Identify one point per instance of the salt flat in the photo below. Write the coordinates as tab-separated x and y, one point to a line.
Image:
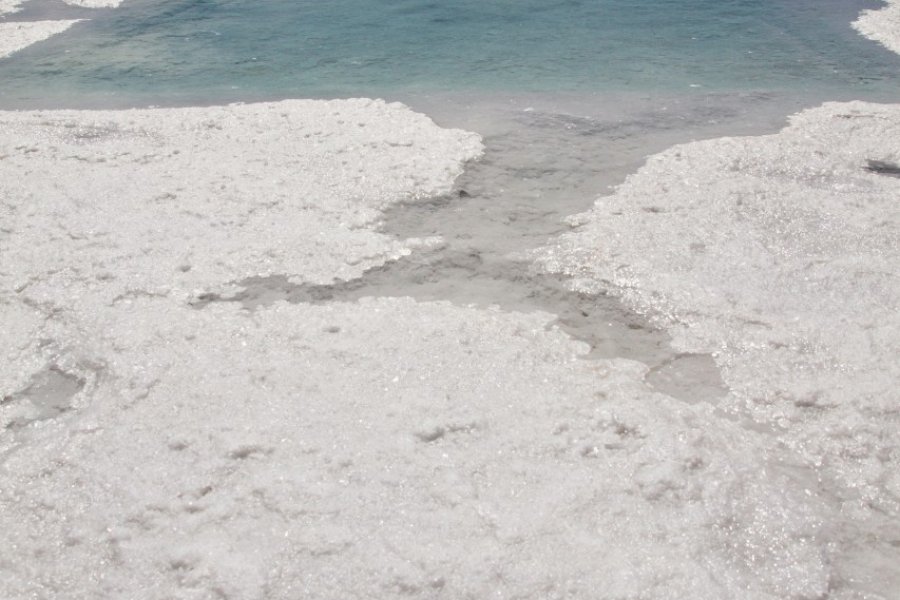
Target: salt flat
367	448
158	442
349	448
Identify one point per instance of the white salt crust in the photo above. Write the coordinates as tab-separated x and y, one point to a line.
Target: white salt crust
882	25
778	254
10	6
380	449
94	3
103	207
16	36
394	449
387	449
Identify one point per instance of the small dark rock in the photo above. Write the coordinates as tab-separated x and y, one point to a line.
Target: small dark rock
881	167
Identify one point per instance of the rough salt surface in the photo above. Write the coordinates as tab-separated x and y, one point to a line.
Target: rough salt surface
15	36
101	207
882	25
778	255
385	448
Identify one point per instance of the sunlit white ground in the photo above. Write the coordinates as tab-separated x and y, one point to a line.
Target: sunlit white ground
159	444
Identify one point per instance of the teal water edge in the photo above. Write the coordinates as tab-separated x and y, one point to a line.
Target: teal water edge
172	52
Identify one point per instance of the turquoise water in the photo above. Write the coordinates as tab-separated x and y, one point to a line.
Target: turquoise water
176	51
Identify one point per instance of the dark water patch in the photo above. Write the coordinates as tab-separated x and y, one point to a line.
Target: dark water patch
881	167
49	393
